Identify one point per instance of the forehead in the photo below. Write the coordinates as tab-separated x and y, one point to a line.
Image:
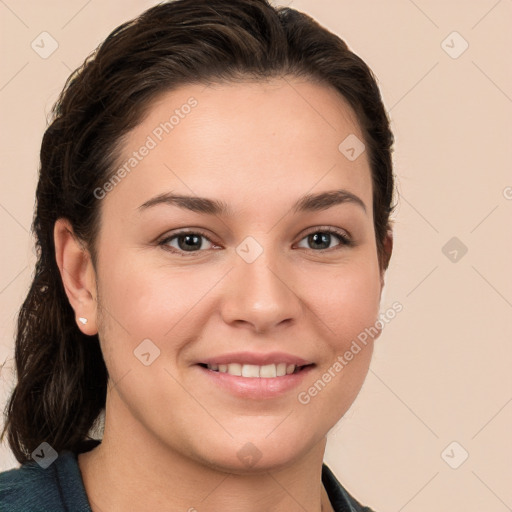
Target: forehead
243	142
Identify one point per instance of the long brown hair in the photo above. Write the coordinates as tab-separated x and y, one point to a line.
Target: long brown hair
61	375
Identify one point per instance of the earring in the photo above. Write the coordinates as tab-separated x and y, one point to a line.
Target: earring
82	320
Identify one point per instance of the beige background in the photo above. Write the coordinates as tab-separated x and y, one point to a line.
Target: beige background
441	369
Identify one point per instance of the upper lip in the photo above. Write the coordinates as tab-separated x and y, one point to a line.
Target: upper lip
256	359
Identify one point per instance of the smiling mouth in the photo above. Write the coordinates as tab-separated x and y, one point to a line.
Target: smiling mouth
268	371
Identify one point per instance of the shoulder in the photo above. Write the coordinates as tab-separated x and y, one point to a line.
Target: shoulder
29	487
34	488
340	499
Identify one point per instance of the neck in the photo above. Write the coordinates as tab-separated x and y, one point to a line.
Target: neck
129	461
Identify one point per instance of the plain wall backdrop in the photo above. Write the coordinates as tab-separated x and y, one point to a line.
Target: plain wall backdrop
431	428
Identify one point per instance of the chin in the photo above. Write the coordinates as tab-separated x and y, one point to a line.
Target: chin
258	453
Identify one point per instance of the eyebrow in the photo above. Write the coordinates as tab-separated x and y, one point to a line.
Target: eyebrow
307	203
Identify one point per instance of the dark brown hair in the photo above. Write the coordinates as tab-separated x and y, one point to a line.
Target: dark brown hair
61	375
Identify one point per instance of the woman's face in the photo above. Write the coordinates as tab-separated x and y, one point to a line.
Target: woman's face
268	275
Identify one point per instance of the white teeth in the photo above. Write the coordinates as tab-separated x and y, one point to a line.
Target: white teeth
281	369
235	369
250	370
267	371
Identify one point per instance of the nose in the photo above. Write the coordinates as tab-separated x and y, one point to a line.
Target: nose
260	295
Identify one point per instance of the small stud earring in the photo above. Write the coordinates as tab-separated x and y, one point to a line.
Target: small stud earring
83	320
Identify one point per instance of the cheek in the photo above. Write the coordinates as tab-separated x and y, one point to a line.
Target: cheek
346	300
143	301
148	296
347	304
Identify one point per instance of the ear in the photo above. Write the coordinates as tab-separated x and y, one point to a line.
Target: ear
77	274
387	249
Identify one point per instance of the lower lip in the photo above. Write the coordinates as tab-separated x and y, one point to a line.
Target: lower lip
256	387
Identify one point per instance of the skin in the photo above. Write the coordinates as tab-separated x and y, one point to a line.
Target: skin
259	147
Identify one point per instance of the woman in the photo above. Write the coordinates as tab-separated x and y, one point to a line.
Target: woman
213	226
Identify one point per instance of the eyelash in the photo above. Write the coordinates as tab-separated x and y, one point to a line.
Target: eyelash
344	240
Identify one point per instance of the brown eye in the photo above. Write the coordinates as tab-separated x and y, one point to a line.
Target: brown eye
322	239
186	241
